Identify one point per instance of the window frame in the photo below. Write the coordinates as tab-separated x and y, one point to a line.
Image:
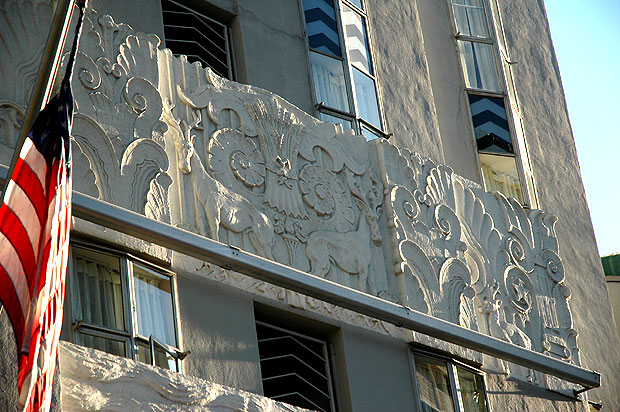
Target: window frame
353	117
327	353
130	335
226	28
507	92
451	366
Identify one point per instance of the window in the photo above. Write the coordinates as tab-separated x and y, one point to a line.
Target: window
503	161
199	37
123	306
294	368
345	86
445	386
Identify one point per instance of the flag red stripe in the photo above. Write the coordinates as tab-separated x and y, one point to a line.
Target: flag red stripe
35	160
23	208
11	303
30	184
13	267
54	180
16	233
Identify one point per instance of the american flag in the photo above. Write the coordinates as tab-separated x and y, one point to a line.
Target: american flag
35	217
34	234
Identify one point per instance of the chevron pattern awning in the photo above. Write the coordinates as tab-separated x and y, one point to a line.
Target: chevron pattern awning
490	124
322	26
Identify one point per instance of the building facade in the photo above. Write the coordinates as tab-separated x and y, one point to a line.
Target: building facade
418	151
612	277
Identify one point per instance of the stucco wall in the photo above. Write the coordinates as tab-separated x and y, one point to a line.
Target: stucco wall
217	325
613	285
377	370
403	79
560	189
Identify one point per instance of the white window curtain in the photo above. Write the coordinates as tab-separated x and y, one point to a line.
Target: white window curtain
508	185
478	61
99	300
366	98
154	307
329	81
470	18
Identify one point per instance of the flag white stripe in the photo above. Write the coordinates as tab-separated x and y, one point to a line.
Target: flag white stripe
23	208
13	267
34	159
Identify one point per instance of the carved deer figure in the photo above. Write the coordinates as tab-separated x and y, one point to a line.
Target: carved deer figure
222	207
349	251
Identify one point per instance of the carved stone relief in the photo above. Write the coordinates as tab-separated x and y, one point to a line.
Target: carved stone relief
476	258
118	129
253	171
172	140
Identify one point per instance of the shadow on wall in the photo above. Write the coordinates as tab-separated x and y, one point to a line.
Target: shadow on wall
504	394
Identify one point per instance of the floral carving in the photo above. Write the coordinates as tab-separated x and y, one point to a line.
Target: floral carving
319	188
231	148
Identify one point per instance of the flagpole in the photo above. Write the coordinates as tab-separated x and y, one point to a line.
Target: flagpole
47	73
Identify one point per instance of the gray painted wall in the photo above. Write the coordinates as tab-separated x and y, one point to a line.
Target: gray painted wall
378	372
218	327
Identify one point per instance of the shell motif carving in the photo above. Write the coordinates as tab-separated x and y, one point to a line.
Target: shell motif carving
232	150
520	251
554	266
321	190
506	276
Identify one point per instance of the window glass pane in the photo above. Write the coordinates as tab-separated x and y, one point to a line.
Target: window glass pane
471	388
321	26
164	360
346	124
490	124
478	61
114	347
144	352
358	3
470	18
356	39
366	98
97	297
433	385
329	82
500	173
154	310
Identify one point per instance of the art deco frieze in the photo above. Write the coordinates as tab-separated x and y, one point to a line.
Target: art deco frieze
236	163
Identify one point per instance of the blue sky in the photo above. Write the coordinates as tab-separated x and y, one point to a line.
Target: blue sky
586	36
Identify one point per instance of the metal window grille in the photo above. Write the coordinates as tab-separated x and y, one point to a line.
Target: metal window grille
294	368
197	36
